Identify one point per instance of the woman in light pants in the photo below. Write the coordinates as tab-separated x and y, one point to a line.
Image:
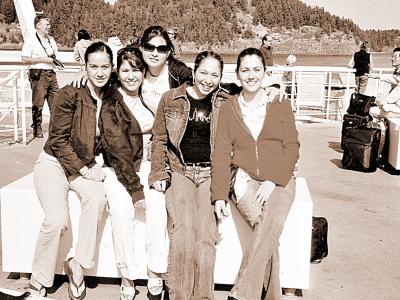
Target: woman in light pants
125	125
256	139
70	161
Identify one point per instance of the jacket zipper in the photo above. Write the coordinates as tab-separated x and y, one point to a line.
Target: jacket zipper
258	170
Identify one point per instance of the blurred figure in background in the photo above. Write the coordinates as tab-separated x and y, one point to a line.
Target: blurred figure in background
288	78
83	41
172	33
266	50
115	44
362	62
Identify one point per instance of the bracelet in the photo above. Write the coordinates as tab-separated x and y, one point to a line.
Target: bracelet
84	171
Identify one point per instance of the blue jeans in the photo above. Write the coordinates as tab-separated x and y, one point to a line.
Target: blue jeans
361	84
260	263
192	230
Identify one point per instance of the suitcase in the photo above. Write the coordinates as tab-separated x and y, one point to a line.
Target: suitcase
319	239
352	121
360	104
361	149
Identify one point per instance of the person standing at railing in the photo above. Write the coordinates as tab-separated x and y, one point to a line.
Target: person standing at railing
83	41
41	52
266	50
362	62
389	105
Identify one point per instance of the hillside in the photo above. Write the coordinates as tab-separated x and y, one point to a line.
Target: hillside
226	25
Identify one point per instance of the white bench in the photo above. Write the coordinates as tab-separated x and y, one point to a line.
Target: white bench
394	142
22	215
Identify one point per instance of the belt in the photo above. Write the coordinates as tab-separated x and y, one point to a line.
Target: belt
199	164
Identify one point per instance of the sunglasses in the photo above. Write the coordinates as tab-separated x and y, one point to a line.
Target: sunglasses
160	49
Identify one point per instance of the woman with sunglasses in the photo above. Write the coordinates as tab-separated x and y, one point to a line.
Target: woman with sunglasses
71	159
183	134
164	72
126	137
257	137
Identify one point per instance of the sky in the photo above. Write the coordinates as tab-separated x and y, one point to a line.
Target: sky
367	14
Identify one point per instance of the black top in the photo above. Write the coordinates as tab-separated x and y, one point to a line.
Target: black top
195	144
362	62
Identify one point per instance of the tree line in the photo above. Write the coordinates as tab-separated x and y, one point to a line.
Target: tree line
200	22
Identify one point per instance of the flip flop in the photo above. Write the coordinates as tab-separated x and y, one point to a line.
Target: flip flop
75	292
127	293
155	286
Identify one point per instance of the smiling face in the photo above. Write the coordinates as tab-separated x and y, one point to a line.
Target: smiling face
155	57
207	76
251	73
130	78
98	67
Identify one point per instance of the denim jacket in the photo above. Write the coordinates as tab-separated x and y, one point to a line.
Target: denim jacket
72	130
170	125
122	141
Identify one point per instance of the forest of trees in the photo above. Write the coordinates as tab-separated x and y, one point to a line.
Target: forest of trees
201	22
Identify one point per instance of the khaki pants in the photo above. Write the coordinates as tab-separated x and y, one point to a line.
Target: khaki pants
52	188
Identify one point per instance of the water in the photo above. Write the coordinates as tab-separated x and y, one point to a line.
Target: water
380	60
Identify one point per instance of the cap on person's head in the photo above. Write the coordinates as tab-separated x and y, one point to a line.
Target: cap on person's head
172	30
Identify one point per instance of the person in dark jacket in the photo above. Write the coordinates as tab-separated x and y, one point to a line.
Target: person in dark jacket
125	126
257	139
183	139
164	72
266	50
71	159
362	62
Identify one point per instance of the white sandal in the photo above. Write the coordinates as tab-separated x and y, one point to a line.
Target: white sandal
127	293
155	286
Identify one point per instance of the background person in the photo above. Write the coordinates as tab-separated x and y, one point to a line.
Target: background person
183	134
163	73
71	160
83	41
389	105
126	137
256	136
266	50
362	62
172	33
39	50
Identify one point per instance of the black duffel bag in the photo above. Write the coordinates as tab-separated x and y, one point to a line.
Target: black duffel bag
360	104
319	239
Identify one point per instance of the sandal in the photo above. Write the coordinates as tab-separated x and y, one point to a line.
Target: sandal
127	293
75	292
34	291
155	286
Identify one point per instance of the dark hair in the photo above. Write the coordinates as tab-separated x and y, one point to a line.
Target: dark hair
205	54
133	56
83	35
397	49
157	30
246	52
98	47
38	18
364	45
264	38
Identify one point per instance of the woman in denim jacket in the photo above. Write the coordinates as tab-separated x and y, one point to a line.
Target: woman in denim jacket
71	159
183	134
256	136
164	72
